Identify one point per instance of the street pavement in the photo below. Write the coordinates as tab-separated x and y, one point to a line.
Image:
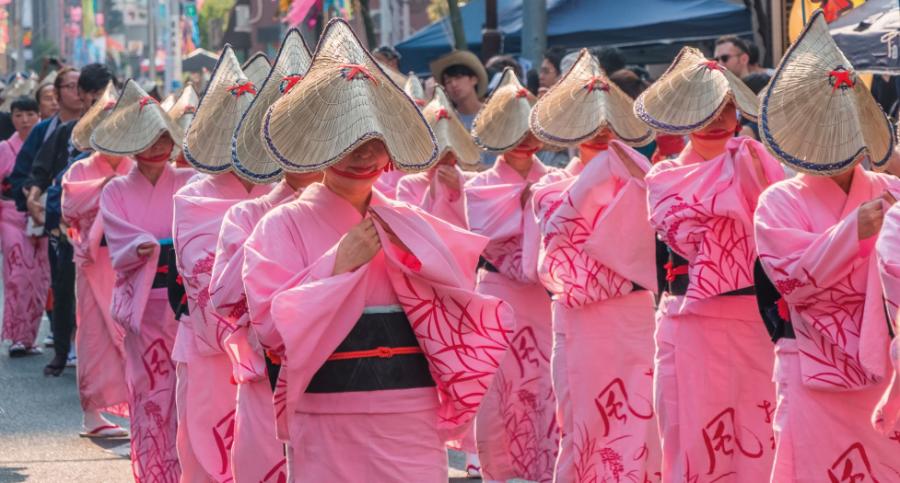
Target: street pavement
40	418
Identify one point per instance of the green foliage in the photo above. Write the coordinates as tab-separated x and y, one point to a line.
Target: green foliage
214	14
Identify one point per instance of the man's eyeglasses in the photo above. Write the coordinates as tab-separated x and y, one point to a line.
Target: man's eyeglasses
723	59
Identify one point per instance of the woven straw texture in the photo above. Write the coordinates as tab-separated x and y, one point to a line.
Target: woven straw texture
21	86
257	68
449	131
460	57
248	154
168	102
691	94
413	88
392	73
184	108
502	122
816	115
583	103
207	143
345	100
81	133
134	124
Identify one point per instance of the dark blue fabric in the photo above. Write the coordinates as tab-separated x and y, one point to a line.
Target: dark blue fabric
587	23
21	172
860	33
53	211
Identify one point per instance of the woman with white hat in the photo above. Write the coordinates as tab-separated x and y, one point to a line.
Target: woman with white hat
256	453
98	340
387	348
205	393
137	221
516	431
438	191
597	258
815	234
713	368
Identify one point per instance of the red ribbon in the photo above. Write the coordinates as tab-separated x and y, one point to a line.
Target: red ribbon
380	352
841	78
442	114
241	89
522	92
672	272
596	83
713	65
353	71
146	100
289	81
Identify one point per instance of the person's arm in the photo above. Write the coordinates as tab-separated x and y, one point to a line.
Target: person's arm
22	169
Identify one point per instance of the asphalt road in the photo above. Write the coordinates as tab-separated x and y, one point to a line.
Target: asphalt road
40	418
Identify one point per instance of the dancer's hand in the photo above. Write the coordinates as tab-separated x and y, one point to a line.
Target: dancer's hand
357	247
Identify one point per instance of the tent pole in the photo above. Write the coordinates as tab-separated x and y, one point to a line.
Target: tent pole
534	31
490	35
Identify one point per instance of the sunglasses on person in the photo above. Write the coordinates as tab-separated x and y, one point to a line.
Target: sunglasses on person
723	59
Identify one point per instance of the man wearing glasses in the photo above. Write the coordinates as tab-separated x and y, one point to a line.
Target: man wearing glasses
733	53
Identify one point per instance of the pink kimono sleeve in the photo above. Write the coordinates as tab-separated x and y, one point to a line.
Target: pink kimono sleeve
886	416
802	263
80	197
495	211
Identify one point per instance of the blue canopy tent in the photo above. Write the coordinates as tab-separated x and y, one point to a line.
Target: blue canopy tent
634	25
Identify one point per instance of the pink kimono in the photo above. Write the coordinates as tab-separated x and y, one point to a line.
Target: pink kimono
713	370
386	433
887	414
831	377
134	212
256	453
386	184
26	268
516	431
99	340
206	391
425	191
603	319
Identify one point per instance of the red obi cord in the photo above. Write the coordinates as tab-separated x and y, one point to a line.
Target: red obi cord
672	272
380	352
163	270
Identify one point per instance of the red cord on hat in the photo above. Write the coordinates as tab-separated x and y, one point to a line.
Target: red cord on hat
713	65
145	101
289	81
522	92
352	71
241	89
841	78
442	114
596	83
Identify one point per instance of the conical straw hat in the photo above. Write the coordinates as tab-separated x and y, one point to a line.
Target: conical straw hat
81	133
184	108
691	94
345	100
134	124
449	131
19	87
168	102
502	122
392	73
257	68
413	88
816	115
207	143
248	151
583	103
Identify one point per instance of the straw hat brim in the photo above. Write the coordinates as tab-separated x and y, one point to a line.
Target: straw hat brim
461	57
582	104
814	126
81	133
132	128
207	143
249	156
691	94
346	100
503	120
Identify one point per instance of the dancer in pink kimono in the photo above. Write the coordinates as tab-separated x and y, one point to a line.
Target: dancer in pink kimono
99	340
602	287
713	390
439	191
206	393
26	269
256	453
516	430
375	383
137	219
816	234
886	417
